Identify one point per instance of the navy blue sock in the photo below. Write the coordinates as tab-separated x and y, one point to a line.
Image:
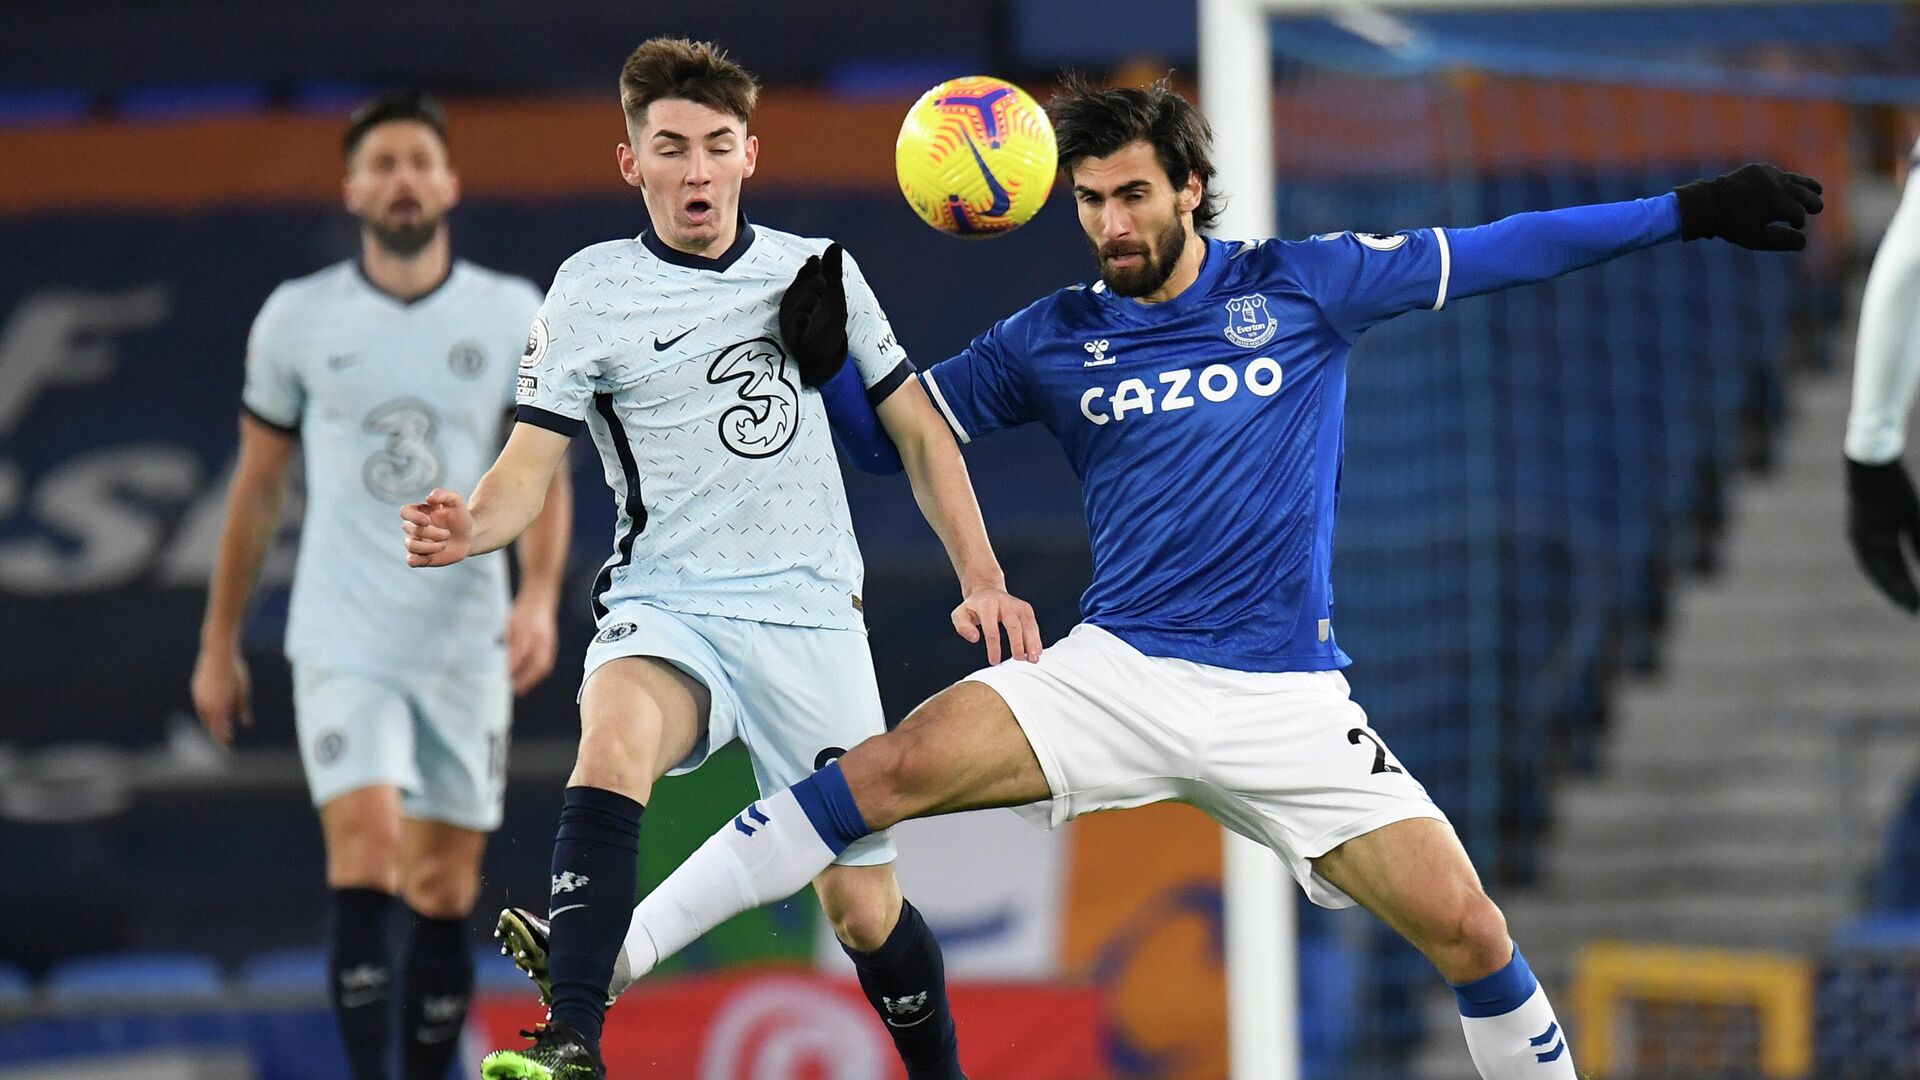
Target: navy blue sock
436	986
596	868
905	979
360	977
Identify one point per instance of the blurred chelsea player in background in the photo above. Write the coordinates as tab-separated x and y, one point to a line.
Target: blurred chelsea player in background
393	373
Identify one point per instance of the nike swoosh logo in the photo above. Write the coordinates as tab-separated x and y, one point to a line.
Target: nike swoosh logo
1001	200
922	1020
663	346
557	912
335	363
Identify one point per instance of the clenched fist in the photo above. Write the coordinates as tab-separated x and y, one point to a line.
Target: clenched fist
439	531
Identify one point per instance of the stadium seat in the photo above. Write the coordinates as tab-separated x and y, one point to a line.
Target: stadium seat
15	987
134	975
1879	932
285	971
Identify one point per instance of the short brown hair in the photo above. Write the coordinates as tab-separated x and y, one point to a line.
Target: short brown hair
394	105
697	71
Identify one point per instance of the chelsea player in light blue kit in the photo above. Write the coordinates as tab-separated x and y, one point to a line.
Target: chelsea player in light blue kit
1198	390
701	356
392	373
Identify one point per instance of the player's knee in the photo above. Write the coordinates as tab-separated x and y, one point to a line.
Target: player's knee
364	855
862	919
440	887
1474	942
882	774
616	751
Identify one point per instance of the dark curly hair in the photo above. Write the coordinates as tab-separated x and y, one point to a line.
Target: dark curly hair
1090	122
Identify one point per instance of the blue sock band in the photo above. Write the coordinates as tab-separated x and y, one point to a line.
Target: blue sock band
1499	993
829	805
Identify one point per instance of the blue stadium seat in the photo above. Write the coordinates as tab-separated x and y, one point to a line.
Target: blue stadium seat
285	971
135	975
15	987
1879	932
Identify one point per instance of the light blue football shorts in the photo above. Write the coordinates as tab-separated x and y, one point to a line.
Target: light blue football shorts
438	736
797	696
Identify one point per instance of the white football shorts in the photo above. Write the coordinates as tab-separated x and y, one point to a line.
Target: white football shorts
1284	758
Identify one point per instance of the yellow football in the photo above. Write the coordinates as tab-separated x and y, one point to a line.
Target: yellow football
976	156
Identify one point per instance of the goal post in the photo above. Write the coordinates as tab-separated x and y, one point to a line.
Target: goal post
1263	1037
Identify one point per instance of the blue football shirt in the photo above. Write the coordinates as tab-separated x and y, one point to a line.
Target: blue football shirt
1206	433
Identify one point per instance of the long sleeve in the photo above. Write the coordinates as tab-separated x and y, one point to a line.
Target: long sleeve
1886	365
1527	248
1361	279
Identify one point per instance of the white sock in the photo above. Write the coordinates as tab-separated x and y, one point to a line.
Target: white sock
767	853
1511	1030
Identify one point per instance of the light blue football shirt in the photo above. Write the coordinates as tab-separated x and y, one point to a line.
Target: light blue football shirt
727	489
390	399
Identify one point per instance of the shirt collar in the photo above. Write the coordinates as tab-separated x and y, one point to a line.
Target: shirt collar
742	240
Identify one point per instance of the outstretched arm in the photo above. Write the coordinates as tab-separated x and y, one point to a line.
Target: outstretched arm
1360	279
1528	248
945	495
445	528
1756	206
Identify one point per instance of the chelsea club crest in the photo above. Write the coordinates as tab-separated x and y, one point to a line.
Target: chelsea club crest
1249	324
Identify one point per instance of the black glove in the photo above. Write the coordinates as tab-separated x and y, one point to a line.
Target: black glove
1746	206
1882	513
813	317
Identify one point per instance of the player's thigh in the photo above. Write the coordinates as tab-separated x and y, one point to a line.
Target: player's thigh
462	720
960	750
440	867
1108	726
640	716
361	829
658	699
862	902
1416	877
1291	761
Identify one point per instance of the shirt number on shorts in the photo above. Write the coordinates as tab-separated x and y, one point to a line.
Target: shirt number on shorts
409	465
496	757
1380	762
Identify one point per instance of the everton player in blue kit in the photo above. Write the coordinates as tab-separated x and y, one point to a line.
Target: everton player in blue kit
1198	389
